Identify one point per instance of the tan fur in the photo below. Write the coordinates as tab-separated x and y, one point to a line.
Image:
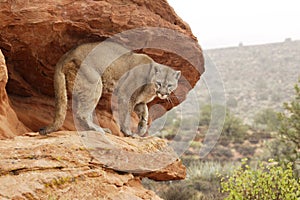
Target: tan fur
135	78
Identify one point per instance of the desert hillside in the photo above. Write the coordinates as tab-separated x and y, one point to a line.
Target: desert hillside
254	77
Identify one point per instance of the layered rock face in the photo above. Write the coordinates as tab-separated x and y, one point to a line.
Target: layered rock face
35	34
9	123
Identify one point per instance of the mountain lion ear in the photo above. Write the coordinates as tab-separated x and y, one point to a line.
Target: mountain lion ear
177	74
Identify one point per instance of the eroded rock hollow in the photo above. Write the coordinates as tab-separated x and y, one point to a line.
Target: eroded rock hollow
33	37
35	34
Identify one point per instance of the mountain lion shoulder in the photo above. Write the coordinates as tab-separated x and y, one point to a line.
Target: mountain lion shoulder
135	78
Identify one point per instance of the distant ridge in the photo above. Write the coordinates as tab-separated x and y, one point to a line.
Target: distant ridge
256	76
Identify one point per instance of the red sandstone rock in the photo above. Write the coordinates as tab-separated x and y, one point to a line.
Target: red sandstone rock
61	167
35	34
150	157
9	123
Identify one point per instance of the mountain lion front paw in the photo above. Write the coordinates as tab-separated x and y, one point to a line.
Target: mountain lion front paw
127	132
142	128
107	130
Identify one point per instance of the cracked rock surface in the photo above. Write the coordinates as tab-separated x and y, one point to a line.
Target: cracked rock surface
62	166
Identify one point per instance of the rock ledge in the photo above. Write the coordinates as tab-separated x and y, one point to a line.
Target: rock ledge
60	166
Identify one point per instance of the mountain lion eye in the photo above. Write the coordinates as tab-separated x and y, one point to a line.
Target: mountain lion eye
169	86
158	84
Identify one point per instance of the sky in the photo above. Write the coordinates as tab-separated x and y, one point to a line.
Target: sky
219	23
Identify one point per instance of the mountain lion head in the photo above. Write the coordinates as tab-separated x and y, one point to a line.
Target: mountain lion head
165	80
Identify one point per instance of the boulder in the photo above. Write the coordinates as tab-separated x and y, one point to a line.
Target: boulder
69	165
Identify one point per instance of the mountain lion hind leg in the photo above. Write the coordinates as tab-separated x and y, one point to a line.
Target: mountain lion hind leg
124	109
142	111
86	96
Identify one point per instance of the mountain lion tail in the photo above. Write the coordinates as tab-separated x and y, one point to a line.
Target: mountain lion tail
60	100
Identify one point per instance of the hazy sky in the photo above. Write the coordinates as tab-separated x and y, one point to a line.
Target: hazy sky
219	23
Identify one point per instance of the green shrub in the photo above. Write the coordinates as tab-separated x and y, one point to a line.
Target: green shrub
232	102
245	150
267	119
253	139
179	192
233	126
203	177
290	122
209	170
221	153
202	182
268	182
195	144
205	115
224	141
289	131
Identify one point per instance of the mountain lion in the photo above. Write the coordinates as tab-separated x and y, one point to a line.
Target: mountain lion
89	68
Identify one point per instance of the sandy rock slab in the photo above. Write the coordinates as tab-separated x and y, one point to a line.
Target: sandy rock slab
70	165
